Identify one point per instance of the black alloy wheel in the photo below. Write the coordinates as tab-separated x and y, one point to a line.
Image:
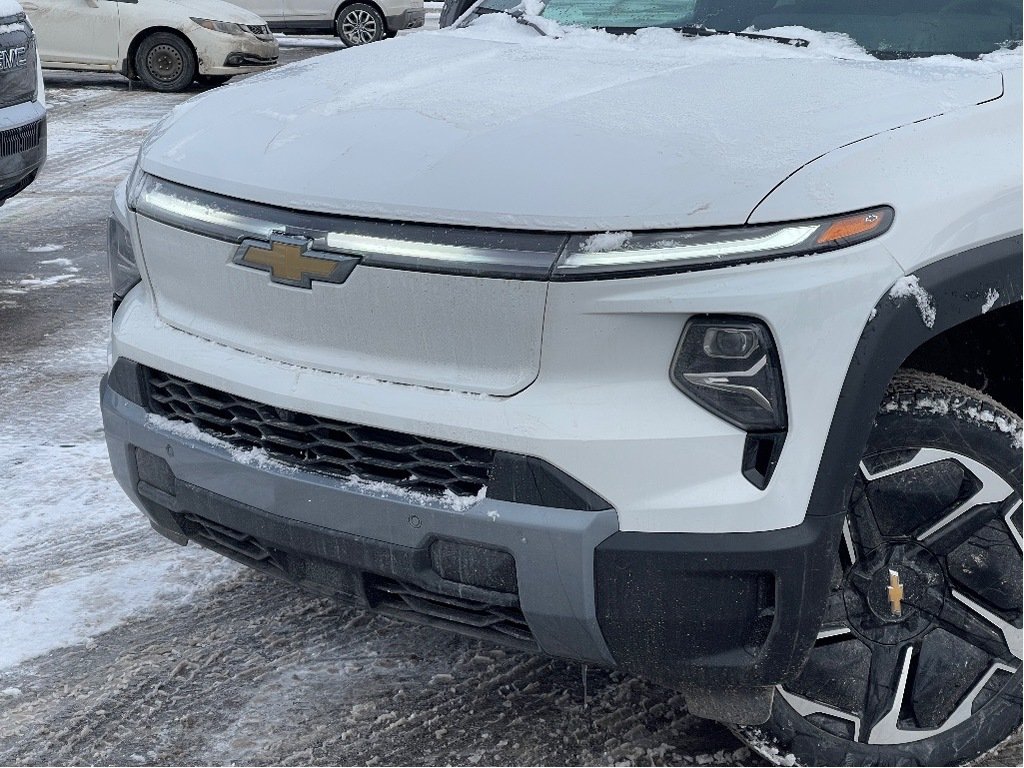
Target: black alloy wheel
359	23
918	661
165	62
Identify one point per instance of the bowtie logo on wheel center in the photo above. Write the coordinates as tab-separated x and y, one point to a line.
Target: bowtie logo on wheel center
893	594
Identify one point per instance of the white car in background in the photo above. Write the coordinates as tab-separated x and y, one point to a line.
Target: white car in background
167	44
355	22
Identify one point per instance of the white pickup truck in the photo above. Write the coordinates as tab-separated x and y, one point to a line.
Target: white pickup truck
681	338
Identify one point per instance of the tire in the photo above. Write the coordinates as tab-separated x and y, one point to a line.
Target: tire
918	661
359	24
165	62
212	81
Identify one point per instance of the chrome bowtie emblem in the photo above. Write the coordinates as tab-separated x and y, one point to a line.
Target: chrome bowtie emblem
895	593
294	261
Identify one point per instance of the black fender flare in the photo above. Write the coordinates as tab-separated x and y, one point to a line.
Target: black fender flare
958	286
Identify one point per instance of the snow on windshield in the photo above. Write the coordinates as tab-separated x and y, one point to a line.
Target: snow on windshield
9	8
657	42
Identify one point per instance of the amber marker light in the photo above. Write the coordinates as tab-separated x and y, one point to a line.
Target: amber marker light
857	227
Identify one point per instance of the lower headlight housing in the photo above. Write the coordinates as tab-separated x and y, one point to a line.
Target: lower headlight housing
121	261
730	366
124	274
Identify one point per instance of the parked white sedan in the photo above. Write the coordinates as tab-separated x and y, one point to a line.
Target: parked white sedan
167	44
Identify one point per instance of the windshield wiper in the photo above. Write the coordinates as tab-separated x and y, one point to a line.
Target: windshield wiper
520	18
700	31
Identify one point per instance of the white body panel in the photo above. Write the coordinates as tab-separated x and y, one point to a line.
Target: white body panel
590	137
73	34
616	139
602	408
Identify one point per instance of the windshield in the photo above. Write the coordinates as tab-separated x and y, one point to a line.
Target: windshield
886	28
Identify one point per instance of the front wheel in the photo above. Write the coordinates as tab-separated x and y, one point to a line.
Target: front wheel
165	62
359	23
918	661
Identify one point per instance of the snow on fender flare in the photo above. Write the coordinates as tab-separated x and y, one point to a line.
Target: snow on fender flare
917	308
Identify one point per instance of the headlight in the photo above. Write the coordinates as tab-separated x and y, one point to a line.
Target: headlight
623	254
729	365
124	271
227	27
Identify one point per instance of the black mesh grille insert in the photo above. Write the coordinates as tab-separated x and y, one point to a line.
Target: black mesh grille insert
504	624
22	139
323	445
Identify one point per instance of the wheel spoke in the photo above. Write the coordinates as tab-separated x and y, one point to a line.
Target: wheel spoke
962	528
887	730
851	552
1013	636
805	707
993	490
965	618
883	698
1015	532
860	532
886	687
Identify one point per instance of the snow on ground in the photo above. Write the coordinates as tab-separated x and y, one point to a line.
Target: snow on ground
76	558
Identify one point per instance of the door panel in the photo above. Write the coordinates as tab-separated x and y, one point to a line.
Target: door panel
310	10
268	10
76	31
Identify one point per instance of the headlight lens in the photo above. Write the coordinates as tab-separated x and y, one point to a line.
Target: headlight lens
622	254
124	271
227	27
730	366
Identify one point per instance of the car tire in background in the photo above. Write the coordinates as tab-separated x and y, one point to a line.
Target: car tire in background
933	678
358	24
165	62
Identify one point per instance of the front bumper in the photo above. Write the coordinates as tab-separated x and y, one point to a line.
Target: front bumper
686	610
411	18
22	146
221	54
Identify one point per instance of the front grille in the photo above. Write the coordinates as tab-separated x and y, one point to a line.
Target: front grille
502	623
323	445
258	29
21	139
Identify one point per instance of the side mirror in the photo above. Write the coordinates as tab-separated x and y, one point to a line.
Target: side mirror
93	3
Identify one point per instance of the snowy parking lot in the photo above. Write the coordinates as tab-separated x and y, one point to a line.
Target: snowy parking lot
119	647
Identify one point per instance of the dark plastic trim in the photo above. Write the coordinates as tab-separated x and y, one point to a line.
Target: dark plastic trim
958	286
681	609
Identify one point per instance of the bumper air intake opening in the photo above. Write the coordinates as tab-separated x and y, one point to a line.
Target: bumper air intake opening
499	623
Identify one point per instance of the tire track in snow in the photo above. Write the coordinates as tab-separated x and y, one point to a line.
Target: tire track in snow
255	671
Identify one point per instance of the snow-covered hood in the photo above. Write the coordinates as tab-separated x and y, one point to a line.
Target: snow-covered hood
9	8
217	10
495	125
